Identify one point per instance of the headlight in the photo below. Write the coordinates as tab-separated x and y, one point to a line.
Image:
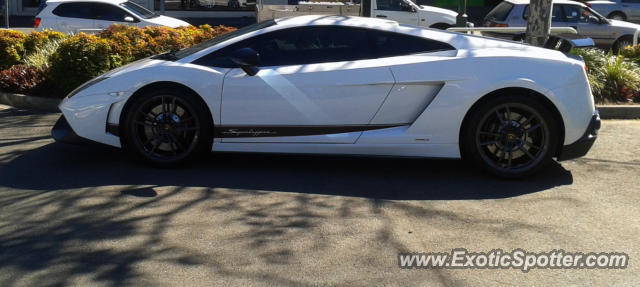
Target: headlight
86	85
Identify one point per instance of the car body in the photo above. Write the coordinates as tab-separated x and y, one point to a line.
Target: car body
339	85
234	4
401	11
407	12
605	33
74	16
622	10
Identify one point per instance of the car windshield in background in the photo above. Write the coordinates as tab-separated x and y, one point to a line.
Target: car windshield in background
138	10
219	39
501	11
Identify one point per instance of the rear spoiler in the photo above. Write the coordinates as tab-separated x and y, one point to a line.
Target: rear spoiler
565	44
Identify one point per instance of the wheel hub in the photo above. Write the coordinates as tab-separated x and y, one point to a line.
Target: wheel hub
167	123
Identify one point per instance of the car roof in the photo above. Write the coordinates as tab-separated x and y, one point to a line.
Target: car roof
524	2
353	21
97	1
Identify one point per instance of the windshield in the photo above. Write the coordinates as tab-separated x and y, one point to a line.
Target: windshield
219	39
500	12
138	10
596	13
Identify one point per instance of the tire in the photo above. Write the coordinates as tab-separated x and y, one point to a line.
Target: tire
617	16
511	136
166	127
233	4
621	43
440	26
519	38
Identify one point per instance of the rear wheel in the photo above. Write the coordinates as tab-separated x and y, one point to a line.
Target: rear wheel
441	26
617	16
234	4
166	128
510	136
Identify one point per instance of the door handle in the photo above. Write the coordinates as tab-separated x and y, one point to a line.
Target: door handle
625	5
381	16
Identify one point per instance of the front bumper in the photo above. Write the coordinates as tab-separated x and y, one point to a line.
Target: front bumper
62	132
582	145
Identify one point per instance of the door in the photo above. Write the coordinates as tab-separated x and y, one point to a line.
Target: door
106	15
316	84
74	17
587	24
631	8
396	10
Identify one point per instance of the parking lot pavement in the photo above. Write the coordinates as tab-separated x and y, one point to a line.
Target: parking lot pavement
79	215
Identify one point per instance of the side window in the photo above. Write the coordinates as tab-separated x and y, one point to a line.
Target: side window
298	46
388	44
74	10
106	12
392	5
557	15
573	13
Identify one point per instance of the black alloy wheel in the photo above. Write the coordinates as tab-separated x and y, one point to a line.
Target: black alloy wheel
166	128
511	137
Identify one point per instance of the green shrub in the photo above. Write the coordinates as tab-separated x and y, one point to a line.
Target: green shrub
632	53
621	80
11	48
612	78
40	58
36	40
78	59
23	79
71	60
135	43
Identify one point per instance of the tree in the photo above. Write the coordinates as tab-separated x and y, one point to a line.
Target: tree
538	22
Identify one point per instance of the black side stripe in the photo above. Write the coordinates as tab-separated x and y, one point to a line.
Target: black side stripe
288	131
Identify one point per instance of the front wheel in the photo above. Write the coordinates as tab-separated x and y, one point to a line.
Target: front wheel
622	43
166	128
510	136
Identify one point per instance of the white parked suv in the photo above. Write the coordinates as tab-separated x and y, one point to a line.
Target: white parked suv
74	16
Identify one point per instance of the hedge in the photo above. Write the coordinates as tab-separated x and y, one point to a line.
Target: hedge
51	64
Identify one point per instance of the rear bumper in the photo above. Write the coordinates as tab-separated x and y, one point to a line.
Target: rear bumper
584	144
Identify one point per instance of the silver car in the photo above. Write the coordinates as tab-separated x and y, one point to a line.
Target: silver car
623	10
606	33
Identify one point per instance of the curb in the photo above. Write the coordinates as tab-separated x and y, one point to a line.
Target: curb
620	112
29	102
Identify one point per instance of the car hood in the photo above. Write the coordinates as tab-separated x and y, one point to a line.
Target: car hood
438	10
167	21
623	24
139	64
602	2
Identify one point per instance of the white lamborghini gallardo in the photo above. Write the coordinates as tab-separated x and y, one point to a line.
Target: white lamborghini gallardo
343	85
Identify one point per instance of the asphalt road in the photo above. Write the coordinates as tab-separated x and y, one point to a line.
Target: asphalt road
86	215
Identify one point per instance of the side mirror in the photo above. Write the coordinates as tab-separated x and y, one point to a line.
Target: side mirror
129	19
247	59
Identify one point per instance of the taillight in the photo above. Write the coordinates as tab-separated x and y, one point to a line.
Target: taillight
37	23
499	25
